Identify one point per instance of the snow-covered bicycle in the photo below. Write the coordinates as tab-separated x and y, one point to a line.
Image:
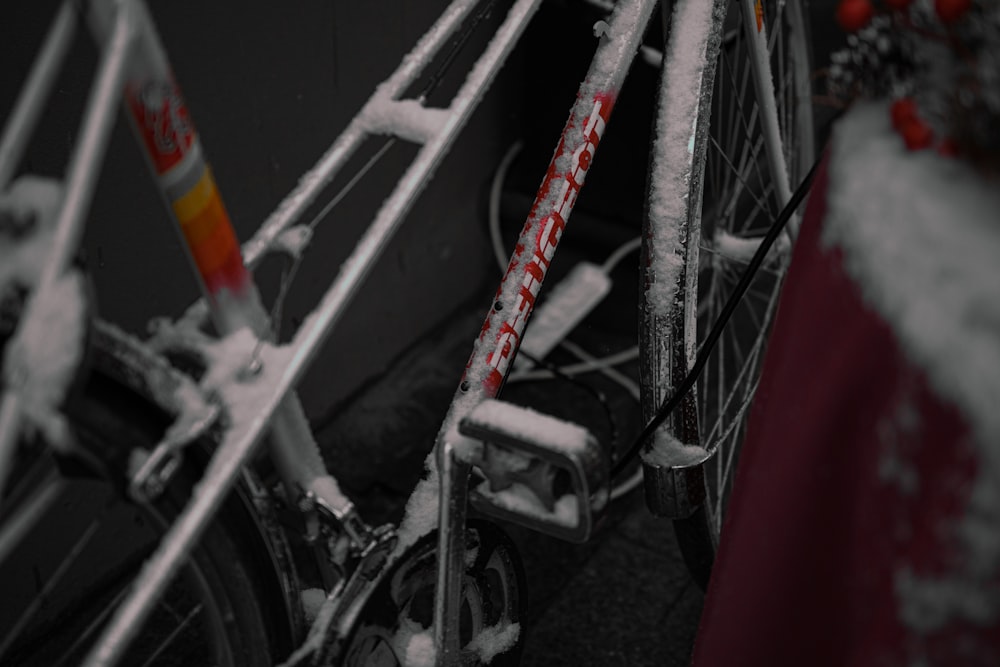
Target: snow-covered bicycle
135	526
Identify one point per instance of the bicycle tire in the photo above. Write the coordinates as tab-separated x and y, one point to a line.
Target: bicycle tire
102	538
731	203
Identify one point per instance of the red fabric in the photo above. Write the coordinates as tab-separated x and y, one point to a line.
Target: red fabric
818	530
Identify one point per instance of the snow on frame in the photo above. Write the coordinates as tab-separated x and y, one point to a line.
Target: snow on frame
669	452
683	69
920	235
420	516
532	426
407	119
294	240
41	359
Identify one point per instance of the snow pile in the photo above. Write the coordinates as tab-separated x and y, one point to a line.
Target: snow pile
294	240
520	499
407	119
421	514
241	370
920	235
494	640
411	643
669	452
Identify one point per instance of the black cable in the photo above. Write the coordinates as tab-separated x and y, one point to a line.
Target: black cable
456	47
720	324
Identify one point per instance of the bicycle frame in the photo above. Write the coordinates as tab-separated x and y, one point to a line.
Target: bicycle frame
135	63
134	66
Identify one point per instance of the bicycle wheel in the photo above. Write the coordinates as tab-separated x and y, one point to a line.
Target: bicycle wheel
740	178
66	570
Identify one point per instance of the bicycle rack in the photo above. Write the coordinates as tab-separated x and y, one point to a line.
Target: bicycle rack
541	472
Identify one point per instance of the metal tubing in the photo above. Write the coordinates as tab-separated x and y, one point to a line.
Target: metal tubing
502	329
452	510
670	249
220	476
36	89
353	271
760	67
10	431
314	180
95	130
239	442
28	515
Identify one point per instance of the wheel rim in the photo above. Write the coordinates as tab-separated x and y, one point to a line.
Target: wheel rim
396	619
740	203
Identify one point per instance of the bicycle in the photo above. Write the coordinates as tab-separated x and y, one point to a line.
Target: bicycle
437	586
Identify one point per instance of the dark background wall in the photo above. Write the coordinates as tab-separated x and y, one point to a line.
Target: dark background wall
270	85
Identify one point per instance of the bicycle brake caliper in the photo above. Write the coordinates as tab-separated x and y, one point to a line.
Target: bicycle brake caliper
540	472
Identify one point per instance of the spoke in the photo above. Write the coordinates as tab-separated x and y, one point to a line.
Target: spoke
755	352
751	217
734	170
738	421
33	508
714	421
715	172
772	36
170	638
734	110
751	312
54	579
94	624
752	120
757	346
738	353
738	110
761	295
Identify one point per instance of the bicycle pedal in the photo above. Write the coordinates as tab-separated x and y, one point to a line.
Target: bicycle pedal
540	472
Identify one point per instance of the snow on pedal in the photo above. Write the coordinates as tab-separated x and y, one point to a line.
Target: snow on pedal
541	472
565	306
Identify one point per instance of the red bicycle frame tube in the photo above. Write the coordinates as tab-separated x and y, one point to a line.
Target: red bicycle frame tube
539	238
501	333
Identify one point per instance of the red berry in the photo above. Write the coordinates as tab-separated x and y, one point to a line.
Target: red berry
897	4
902	110
917	134
950	11
853	15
